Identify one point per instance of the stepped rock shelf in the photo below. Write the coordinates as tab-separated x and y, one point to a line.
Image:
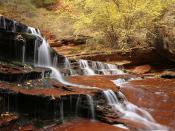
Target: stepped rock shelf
41	90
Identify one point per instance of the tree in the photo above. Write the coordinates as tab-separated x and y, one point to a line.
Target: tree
116	20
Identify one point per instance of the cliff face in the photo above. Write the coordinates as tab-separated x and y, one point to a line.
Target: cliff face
16	41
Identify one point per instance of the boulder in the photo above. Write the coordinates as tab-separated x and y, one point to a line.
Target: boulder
165	41
142	69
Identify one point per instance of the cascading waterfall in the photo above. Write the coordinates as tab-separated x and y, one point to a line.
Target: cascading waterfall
132	112
91	104
23	53
97	67
85	66
61	110
107	69
67	65
34	31
129	110
115	69
14	26
3	22
55	60
44	59
77	105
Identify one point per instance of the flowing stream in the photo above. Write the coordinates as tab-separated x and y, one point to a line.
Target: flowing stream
132	112
129	110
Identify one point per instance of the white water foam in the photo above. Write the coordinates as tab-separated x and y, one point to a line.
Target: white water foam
132	112
85	66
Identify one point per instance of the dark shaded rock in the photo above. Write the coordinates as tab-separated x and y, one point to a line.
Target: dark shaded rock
84	125
45	107
75	40
12	26
106	114
168	76
142	69
134	56
11	46
14	73
165	41
6	121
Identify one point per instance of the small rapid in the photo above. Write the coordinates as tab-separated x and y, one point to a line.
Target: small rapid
67	65
85	66
91	105
132	112
97	68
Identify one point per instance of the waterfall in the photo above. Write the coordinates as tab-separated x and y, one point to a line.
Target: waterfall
23	54
44	60
2	22
14	26
131	111
85	66
107	69
115	69
61	110
67	65
34	31
77	105
36	52
91	104
97	67
55	60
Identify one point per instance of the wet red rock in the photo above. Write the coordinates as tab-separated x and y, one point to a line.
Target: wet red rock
133	125
141	69
27	128
135	56
85	125
6	119
56	91
156	96
103	82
